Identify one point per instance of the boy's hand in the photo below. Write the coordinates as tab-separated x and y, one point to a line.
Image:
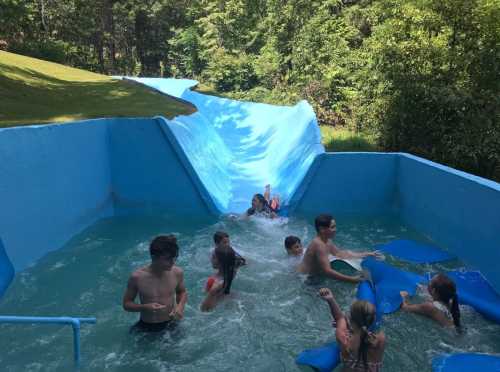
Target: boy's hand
177	313
404	296
154	306
325	294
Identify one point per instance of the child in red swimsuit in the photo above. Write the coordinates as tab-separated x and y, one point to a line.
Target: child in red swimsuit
226	261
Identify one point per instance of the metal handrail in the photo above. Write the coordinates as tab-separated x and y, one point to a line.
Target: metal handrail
75	323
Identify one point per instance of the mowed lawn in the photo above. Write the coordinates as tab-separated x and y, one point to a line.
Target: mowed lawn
341	139
33	91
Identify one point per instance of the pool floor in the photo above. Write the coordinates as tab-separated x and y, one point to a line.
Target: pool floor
271	316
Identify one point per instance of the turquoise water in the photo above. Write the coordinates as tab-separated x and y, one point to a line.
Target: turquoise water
271	316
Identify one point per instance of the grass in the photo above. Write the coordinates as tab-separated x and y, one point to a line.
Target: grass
33	91
339	140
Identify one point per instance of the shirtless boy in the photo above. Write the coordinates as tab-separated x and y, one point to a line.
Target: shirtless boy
160	286
316	262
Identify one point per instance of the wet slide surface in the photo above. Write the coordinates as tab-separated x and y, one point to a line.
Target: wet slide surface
236	147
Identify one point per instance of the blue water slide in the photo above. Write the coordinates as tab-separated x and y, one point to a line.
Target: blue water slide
236	147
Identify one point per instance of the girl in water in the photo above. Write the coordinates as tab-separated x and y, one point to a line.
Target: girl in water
227	262
444	305
360	349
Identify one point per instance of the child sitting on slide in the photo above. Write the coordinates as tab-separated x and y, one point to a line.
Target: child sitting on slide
360	349
443	308
263	205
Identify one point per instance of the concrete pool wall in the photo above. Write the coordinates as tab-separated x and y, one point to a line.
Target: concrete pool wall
56	180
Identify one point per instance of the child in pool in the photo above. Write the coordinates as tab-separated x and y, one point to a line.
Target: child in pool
219	284
263	205
444	305
293	246
226	261
360	349
316	260
221	241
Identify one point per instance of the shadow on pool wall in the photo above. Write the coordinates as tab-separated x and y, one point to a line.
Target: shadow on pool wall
57	180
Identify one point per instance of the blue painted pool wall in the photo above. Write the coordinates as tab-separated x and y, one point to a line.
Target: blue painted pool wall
459	211
6	270
148	177
349	184
54	182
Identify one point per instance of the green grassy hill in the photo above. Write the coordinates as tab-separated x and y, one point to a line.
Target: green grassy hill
33	91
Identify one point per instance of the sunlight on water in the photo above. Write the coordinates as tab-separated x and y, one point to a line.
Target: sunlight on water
269	318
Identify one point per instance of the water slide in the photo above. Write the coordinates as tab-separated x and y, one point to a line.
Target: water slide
236	147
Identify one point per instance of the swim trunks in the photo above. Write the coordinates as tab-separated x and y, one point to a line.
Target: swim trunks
142	326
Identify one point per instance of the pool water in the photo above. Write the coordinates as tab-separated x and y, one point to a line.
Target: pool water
271	316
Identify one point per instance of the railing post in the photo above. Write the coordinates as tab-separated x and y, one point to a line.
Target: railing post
76	340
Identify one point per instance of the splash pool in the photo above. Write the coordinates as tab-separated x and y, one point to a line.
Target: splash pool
271	317
102	188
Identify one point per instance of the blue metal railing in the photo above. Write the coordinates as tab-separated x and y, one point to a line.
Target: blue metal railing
74	322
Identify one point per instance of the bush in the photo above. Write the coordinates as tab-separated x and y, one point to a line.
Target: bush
227	72
49	50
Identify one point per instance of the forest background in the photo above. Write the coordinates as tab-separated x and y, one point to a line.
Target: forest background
419	76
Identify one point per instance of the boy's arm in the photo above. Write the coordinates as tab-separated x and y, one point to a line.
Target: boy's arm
351	254
324	264
180	296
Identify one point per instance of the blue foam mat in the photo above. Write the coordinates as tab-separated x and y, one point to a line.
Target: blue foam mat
324	358
412	251
6	270
466	362
236	147
388	282
475	291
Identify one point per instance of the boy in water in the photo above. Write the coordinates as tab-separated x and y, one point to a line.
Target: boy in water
293	246
316	259
160	286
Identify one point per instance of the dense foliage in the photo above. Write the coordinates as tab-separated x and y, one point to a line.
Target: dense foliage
421	75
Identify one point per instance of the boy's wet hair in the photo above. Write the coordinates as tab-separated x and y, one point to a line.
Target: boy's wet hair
164	246
323	220
290	241
219	235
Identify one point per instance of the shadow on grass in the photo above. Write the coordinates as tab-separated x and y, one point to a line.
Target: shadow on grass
29	97
342	140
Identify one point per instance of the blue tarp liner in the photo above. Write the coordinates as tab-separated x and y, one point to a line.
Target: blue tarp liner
475	291
236	148
412	251
327	357
388	282
466	362
6	270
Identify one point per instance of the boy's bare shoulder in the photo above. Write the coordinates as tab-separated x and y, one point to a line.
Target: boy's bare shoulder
140	272
178	272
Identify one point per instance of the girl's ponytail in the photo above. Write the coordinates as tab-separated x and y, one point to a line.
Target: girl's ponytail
455	312
363	347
